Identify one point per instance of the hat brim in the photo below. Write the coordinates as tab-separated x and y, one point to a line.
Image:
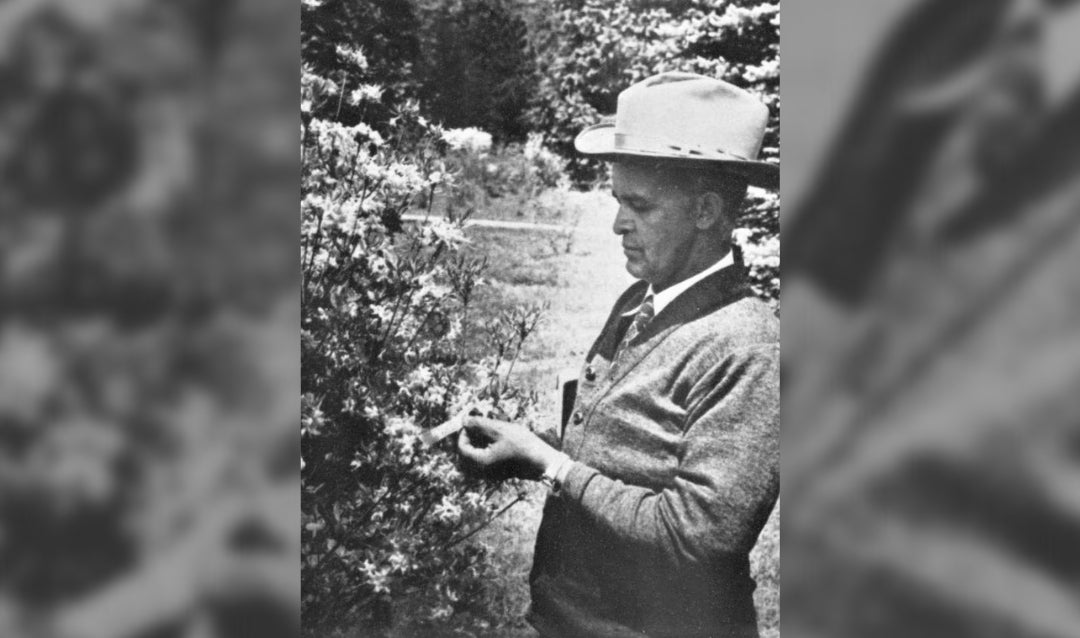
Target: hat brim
598	141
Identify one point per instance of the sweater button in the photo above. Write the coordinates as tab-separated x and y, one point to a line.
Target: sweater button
590	374
578	418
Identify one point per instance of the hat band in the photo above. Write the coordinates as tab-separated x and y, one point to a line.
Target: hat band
646	144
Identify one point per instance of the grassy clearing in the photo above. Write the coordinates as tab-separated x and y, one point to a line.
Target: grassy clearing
552	206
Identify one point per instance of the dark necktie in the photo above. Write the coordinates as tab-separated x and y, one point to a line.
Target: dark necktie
641	319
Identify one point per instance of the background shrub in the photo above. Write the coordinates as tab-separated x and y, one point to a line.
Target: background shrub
476	67
516	173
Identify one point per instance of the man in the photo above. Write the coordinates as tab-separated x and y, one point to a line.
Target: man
669	467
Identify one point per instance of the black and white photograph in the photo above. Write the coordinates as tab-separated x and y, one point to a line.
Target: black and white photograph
514	265
540	340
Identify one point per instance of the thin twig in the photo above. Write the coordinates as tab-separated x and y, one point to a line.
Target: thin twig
341	95
510	370
419	328
483	525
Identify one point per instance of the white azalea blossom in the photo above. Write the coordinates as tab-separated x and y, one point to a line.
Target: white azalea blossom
469	139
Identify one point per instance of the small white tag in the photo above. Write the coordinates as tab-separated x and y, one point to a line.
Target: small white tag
443	430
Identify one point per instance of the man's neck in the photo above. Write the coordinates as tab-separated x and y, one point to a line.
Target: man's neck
695	266
661	298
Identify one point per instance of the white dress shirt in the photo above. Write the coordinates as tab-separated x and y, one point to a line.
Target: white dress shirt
663	298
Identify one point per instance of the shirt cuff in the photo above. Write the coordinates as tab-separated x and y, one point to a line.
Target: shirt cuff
555	474
576	479
561	469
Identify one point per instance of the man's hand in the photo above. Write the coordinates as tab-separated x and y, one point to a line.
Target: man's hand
497	449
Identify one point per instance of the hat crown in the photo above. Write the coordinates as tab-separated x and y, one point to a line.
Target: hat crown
690	114
685	116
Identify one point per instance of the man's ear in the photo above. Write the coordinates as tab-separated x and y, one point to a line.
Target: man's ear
709	211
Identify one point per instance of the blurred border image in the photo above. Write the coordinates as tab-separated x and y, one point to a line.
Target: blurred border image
931	229
459	255
148	318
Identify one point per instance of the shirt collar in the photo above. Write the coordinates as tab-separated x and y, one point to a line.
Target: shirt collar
667	295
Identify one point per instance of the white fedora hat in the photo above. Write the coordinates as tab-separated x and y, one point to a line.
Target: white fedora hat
684	116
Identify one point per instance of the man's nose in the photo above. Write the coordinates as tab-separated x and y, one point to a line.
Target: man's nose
623	222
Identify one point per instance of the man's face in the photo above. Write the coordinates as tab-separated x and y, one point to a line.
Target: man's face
655	220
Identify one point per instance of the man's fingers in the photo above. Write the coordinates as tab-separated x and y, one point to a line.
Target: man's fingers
484	426
470	451
464	446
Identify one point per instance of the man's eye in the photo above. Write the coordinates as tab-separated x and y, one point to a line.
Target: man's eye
637	206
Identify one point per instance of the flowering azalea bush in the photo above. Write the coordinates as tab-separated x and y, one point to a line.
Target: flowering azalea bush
386	354
548	168
761	253
469	140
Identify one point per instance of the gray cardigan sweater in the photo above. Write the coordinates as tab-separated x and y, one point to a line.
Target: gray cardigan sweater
676	469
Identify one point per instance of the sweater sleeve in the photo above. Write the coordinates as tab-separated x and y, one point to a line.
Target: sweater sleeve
728	475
